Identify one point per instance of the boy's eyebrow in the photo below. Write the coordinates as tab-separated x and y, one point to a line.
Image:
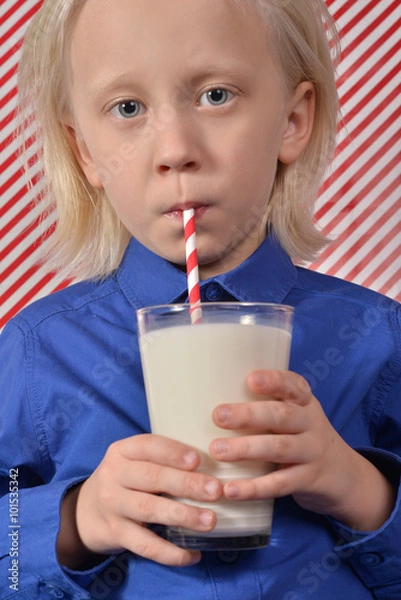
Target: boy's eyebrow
220	70
107	84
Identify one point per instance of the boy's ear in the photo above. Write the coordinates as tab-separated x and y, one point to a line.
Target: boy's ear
300	119
82	155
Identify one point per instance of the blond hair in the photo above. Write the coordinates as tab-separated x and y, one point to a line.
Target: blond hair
89	240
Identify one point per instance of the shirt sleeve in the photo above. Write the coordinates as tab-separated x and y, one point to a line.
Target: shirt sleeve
376	556
29	499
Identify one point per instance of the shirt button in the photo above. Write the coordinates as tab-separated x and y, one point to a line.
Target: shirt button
228	556
213	292
370	559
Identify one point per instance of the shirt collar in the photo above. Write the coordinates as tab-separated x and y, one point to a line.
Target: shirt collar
146	279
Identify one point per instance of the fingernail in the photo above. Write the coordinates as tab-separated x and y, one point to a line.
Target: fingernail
224	414
189	458
211	488
258	380
195	558
231	491
220	446
206	518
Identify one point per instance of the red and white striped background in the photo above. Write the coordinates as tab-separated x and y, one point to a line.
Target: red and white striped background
360	201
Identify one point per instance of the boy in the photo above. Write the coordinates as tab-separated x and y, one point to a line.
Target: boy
227	107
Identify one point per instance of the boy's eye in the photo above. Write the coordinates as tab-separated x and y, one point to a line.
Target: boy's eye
215	97
128	109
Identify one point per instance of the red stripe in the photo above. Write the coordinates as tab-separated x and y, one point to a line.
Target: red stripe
18	283
62	285
26	17
190	228
23	301
16	155
354	21
8	97
13	158
8	119
27	252
351	275
392	282
11	52
21	215
14	177
373	25
12	138
8	140
7	186
194	295
20	194
371	162
9	75
36	289
5	16
21	236
343	9
192	261
364	239
365	145
377	110
363	193
365	78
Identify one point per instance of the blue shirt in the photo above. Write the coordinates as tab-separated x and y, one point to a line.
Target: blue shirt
71	384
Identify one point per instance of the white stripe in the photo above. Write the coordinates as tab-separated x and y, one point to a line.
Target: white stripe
187	215
13	19
196	314
28	239
193	279
356	185
190	245
355	235
27	286
378	260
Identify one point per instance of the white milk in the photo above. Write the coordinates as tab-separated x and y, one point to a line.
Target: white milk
191	369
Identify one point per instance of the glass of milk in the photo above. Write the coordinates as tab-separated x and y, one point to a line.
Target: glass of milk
189	369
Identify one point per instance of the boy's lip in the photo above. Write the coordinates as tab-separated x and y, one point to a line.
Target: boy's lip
175	212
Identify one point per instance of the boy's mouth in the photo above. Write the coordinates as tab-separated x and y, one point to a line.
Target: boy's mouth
176	212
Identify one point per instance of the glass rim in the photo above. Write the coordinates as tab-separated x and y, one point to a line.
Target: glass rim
234	304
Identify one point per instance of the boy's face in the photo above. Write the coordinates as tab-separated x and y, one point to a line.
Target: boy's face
180	103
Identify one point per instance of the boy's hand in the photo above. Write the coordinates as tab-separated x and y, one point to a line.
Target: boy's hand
114	505
315	465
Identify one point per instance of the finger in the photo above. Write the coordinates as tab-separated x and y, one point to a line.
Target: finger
286	449
156	479
145	543
262	415
157	449
147	508
277	484
281	385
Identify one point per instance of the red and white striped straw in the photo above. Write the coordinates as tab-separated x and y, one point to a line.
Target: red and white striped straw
192	265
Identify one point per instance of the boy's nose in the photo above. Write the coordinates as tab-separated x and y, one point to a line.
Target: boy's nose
176	147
